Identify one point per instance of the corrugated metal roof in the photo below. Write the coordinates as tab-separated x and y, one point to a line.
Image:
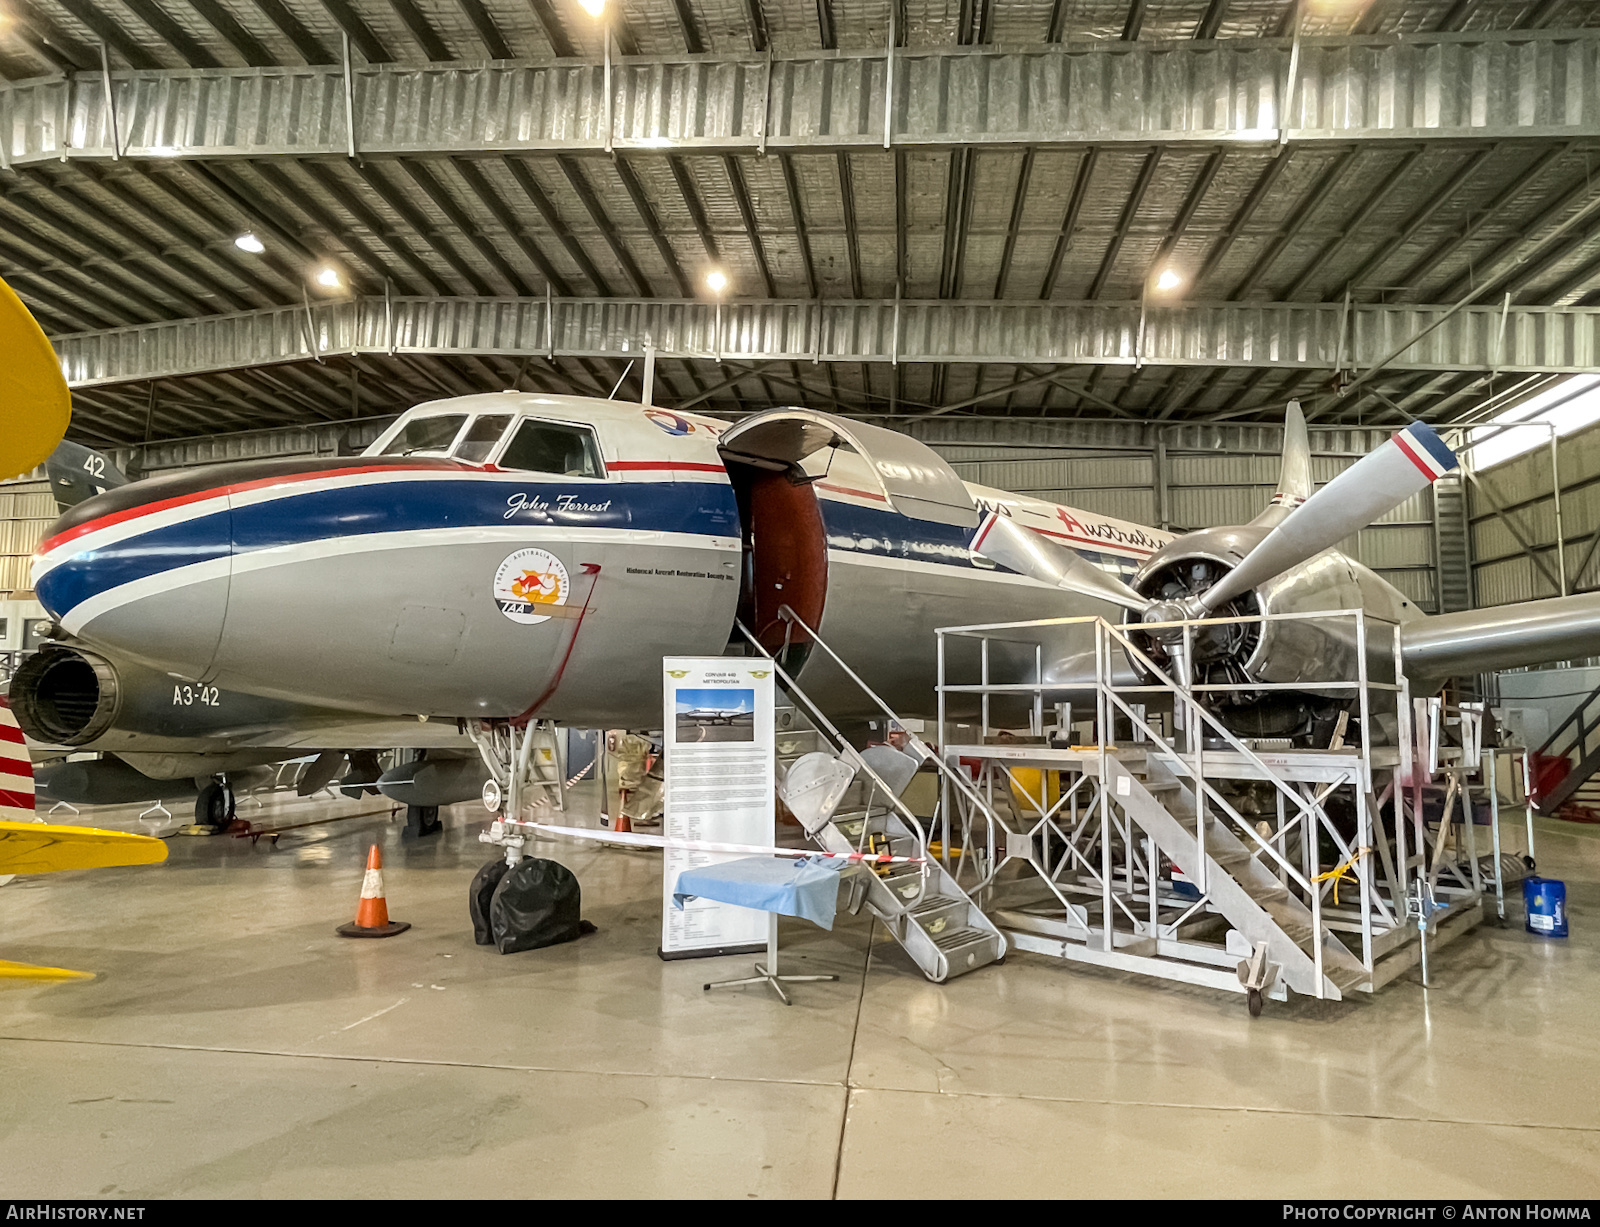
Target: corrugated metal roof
98	246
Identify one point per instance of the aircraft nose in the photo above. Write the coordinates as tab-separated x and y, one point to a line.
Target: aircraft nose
143	570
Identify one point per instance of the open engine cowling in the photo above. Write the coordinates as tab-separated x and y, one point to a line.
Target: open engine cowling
1297	652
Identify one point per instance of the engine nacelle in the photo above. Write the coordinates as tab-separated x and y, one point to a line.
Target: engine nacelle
65	696
1297	652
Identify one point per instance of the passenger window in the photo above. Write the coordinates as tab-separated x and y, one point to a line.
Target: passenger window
481	437
426	436
550	447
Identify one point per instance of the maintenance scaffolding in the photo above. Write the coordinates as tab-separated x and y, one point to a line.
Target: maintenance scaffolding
1185	851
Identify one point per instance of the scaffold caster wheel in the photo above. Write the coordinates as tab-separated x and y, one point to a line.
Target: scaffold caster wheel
1254	1000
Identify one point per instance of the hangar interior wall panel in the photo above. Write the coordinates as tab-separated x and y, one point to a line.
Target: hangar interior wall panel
328	439
27	510
1503	570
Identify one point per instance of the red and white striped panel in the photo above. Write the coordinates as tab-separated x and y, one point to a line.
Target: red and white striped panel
16	770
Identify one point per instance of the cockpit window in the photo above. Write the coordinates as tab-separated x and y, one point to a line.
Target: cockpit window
481	437
426	436
550	447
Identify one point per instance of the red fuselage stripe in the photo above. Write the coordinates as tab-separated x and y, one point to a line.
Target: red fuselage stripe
688	466
199	496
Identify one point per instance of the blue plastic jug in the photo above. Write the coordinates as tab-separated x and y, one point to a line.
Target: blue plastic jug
1546	902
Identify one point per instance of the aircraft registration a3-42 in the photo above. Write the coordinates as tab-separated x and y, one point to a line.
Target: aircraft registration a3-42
505	557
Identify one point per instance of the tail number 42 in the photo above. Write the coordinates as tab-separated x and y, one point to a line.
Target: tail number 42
188	696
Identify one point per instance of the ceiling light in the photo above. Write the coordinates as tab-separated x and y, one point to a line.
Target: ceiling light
328	277
249	242
717	280
593	7
1168	280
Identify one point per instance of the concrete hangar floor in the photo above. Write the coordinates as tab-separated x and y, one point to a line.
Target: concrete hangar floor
231	1046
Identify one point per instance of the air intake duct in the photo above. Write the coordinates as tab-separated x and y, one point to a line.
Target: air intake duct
65	697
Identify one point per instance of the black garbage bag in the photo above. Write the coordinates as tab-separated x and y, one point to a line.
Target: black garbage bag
479	895
536	904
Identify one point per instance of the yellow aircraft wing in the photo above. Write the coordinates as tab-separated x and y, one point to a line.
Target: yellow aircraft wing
33	971
35	405
39	847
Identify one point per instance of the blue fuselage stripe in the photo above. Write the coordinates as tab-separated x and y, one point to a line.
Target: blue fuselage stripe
363	509
706	508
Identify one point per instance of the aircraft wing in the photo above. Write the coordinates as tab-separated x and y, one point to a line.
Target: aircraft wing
41	847
1501	637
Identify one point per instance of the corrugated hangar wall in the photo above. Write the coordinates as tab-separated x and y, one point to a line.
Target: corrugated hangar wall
1512	513
1188	476
27	509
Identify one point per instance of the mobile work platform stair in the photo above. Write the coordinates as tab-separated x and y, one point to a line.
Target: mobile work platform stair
1178	849
850	801
1577	740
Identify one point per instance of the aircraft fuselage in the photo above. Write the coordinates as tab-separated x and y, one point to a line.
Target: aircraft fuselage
545	572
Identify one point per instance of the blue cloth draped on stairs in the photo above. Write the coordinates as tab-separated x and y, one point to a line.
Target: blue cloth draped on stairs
806	888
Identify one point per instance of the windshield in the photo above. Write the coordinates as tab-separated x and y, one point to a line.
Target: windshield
551	447
426	436
481	437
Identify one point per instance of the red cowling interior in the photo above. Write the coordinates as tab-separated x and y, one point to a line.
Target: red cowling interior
787	555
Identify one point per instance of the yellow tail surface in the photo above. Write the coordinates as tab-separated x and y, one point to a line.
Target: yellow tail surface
39	847
35	405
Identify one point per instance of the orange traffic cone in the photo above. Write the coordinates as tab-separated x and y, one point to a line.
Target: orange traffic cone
621	822
372	913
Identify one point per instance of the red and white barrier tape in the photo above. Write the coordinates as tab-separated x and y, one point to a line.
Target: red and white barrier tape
581	774
638	840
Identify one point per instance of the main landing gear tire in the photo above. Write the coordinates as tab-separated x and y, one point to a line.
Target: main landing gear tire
425	818
214	807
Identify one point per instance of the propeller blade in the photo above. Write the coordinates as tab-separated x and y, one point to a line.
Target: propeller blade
1379	482
1002	540
1294	474
38	405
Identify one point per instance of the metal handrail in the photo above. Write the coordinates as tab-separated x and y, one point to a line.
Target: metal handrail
923	749
1112	697
843	743
1584	726
976	629
1233	742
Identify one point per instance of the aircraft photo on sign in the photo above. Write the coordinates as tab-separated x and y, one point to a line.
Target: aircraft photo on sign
716	715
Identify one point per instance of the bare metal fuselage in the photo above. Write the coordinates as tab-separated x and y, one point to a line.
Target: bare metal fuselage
285	596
